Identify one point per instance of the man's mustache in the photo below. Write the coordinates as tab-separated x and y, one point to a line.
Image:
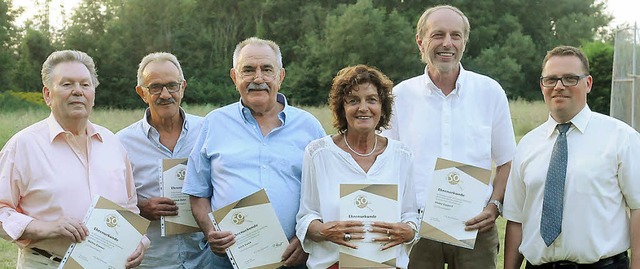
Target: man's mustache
167	101
261	86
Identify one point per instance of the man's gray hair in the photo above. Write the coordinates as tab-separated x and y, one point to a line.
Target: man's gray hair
158	57
421	28
257	41
63	56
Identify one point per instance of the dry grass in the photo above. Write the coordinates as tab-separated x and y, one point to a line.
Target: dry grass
525	116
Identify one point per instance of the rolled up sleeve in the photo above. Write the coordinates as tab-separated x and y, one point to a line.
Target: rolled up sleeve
12	220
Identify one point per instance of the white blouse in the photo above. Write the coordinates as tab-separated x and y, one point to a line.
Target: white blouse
326	166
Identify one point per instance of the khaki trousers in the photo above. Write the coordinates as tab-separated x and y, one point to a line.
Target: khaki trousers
429	254
27	259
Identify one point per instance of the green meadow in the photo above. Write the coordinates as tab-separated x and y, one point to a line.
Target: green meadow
525	116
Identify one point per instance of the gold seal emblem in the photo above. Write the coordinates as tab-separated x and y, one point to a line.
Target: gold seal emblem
361	201
238	218
453	178
181	173
111	220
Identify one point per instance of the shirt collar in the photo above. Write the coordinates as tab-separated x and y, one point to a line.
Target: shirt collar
56	129
579	121
146	127
248	118
433	89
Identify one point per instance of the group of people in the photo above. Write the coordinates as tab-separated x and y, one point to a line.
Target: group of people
567	188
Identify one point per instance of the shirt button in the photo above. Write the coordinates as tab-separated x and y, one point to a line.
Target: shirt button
264	167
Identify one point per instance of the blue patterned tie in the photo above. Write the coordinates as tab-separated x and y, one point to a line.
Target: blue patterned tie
551	221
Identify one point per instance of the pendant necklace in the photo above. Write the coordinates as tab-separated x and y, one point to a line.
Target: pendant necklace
375	145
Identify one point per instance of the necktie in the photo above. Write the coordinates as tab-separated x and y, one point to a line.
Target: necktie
551	221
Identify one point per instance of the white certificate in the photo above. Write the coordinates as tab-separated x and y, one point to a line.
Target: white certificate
172	172
457	193
260	240
114	233
369	203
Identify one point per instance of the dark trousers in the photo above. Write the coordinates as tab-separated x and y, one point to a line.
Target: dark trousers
620	261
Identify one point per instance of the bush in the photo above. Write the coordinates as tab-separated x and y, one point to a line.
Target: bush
11	101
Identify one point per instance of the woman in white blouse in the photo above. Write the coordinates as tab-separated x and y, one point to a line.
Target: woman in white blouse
361	100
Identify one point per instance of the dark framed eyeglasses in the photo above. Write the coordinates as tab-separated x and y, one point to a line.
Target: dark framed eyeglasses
172	87
566	80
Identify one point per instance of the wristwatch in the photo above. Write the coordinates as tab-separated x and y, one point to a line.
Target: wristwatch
498	205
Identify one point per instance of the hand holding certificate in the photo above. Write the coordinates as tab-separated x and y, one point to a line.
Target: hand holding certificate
368	203
172	174
456	194
114	233
260	240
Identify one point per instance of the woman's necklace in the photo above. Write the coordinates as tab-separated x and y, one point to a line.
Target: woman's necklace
375	145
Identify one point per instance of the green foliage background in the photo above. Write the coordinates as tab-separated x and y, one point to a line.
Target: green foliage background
508	41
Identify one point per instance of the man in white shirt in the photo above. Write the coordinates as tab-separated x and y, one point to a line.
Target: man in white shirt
164	132
598	180
452	113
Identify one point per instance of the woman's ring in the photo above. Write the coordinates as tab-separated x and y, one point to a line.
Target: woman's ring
347	237
387	231
389	237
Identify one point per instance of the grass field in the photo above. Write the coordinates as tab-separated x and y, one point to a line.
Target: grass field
525	116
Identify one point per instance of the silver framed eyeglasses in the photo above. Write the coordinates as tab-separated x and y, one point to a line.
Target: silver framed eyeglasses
156	88
566	80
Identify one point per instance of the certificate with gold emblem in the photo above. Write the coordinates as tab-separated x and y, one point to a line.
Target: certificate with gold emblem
114	233
369	203
172	173
457	193
260	240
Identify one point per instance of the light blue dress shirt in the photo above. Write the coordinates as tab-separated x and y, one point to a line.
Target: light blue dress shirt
142	142
232	159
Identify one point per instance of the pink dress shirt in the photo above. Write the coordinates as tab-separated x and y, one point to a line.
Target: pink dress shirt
42	176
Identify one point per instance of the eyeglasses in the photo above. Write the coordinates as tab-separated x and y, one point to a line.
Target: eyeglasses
566	80
172	87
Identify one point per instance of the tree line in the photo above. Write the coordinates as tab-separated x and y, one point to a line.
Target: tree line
507	42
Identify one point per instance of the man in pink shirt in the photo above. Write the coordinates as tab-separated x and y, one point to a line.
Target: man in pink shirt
51	171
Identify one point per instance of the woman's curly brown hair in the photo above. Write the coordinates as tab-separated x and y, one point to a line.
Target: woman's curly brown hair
350	77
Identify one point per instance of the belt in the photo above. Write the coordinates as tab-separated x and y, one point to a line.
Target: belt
46	254
573	265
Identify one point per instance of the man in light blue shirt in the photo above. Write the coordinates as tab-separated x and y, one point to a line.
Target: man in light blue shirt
252	144
164	132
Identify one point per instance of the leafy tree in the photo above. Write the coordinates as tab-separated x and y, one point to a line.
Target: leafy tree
601	66
524	31
33	50
508	41
508	63
206	46
7	37
354	34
